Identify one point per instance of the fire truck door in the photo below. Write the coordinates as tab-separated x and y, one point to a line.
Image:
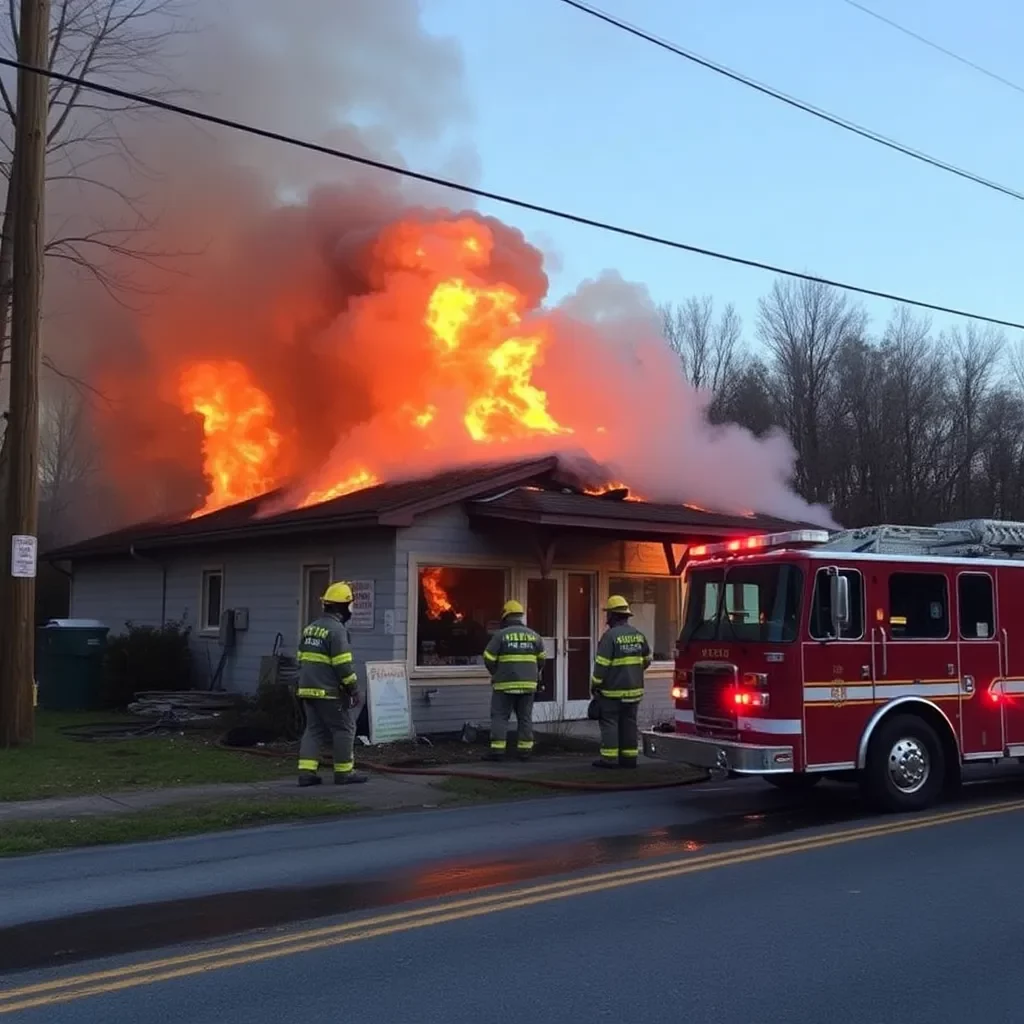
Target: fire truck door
915	648
981	660
1009	690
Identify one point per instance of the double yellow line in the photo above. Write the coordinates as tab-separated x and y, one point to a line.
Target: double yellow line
69	989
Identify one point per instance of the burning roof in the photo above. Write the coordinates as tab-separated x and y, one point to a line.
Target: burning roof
400	343
546	491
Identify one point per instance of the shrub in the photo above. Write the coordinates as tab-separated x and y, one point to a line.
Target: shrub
146	658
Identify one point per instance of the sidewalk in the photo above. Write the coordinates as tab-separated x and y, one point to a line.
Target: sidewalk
384	792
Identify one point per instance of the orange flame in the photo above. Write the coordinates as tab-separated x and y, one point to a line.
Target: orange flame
240	446
435	595
613	486
466	346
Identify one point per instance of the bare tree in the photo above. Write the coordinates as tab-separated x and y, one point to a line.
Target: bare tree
710	349
804	325
67	460
120	42
974	354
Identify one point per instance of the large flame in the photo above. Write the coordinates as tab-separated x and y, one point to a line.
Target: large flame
241	446
479	352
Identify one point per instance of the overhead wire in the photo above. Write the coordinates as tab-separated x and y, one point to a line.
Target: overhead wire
981	69
808	108
496	197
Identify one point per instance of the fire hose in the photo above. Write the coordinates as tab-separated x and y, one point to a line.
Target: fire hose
482	776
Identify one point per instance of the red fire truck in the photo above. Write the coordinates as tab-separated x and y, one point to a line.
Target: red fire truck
890	654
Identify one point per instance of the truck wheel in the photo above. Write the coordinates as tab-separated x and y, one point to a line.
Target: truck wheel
795	782
906	767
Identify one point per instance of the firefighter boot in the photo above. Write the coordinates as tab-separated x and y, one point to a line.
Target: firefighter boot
350	778
309	779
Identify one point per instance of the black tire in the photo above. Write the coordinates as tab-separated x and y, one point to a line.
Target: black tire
904	747
795	782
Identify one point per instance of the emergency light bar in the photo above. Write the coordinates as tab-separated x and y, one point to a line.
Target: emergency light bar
760	542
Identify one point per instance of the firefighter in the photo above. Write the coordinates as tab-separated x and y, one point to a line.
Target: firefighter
514	657
327	690
623	655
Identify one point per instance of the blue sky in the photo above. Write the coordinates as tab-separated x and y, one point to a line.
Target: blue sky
576	114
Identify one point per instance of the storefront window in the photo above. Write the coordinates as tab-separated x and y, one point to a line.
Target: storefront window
457	610
655	604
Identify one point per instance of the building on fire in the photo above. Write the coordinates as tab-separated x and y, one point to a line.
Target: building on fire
432	561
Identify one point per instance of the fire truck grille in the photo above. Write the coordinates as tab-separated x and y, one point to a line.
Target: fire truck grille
709	696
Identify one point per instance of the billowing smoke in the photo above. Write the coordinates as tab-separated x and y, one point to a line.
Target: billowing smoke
309	326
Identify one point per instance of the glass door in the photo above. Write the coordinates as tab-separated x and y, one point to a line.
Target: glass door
579	641
542	615
561	608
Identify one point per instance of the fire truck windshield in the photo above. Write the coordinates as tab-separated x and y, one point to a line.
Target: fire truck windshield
746	603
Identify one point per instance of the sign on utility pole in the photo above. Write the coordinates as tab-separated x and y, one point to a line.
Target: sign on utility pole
28	180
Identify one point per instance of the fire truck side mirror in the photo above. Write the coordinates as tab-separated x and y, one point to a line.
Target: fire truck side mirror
840	601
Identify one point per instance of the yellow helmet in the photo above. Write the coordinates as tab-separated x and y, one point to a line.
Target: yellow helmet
512	608
617	603
337	593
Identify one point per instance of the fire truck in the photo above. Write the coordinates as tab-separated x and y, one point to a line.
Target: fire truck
889	655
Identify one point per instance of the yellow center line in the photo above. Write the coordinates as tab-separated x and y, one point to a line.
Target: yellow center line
68	989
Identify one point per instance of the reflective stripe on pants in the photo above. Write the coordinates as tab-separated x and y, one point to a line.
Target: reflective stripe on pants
503	704
619	737
329	723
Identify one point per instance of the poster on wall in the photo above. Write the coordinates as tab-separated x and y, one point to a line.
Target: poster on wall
388	702
362	606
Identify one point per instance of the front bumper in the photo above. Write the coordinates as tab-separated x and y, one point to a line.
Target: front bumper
725	755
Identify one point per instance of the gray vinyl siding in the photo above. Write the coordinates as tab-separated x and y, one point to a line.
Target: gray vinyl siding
265	577
115	592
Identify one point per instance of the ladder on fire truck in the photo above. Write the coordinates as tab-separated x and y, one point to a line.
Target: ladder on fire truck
965	538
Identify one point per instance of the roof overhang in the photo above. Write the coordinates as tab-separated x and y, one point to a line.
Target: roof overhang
616	529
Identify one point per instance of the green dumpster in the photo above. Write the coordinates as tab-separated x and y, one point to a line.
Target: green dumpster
69	668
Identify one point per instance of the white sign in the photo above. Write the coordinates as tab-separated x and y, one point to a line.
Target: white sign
362	605
388	703
24	549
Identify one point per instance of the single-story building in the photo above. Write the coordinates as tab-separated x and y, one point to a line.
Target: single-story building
432	561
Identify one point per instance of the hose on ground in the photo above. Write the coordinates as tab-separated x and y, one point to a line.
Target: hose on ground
480	776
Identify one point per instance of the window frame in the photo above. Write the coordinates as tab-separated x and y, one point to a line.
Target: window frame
863	608
949	609
639	575
465	674
307	564
994	638
205	574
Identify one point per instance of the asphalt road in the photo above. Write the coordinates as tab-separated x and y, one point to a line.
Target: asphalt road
869	921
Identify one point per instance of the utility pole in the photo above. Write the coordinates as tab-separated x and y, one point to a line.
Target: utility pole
28	179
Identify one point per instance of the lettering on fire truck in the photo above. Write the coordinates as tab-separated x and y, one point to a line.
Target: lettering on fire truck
714	652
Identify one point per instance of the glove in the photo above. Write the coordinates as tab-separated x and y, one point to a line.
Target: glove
352	699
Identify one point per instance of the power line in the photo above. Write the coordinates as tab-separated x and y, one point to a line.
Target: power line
496	197
935	46
792	101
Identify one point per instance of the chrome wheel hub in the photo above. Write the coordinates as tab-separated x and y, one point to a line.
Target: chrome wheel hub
909	765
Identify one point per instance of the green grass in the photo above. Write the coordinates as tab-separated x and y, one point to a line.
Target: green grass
54	765
26	837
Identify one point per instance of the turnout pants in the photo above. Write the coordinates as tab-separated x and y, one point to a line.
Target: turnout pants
618	731
502	706
329	723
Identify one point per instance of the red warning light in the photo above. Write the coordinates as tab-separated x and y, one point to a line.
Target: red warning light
734	545
994	696
700	549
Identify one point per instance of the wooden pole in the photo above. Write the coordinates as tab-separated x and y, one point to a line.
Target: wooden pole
28	178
